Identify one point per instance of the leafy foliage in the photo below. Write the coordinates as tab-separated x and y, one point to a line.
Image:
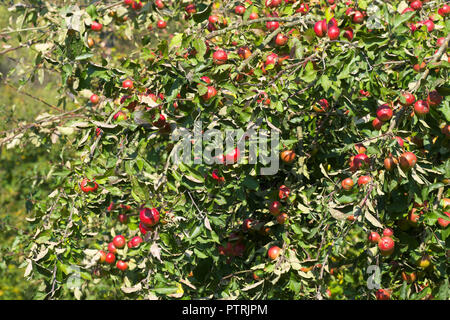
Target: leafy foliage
200	248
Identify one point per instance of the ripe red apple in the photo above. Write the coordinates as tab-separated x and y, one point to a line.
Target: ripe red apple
103	255
421	108
94	99
136	241
123	218
284	192
212	92
333	32
240	10
271	59
206	79
364	180
191	8
128	2
444	222
274	252
122	265
213	19
303	9
288	156
220	57
408	98
320	28
445	10
377	124
112	248
159	4
281	40
388	232
416	5
275	208
281	219
383	294
119	241
273	3
386	246
149	217
348	34
414	216
389	163
429	24
87	185
137	5
110	258
408	160
358	17
409	9
347	184
400	141
143	228
127	84
434	98
440	41
373	237
360	159
384	112
161	24
232	156
253	16
95	26
272	25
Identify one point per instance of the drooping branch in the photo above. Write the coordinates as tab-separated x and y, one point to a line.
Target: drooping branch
397	118
250	22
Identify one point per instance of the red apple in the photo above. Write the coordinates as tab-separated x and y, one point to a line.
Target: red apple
386	246
119	241
333	32
240	10
388	232
149	217
444	222
220	57
94	99
127	84
373	237
421	108
122	265
275	208
416	5
110	258
162	24
347	184
407	160
434	98
274	252
212	92
364	180
95	26
281	40
408	98
384	112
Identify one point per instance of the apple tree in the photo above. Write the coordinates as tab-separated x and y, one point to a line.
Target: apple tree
356	92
